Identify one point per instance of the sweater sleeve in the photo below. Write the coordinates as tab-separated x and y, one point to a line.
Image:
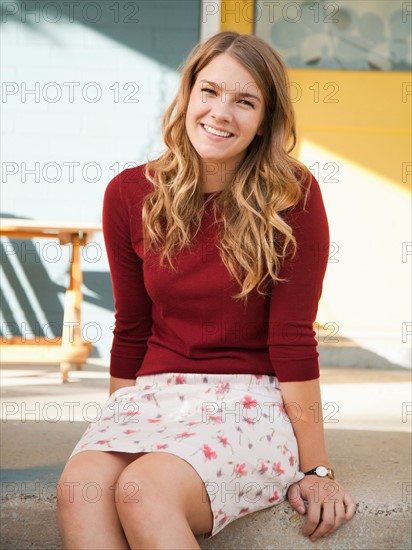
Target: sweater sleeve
294	303
133	306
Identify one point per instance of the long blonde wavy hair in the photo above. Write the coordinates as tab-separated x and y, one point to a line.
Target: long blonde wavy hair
254	238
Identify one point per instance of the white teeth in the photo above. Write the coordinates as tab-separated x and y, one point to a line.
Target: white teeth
216	132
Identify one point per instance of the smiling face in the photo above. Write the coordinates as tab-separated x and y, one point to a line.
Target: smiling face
224	114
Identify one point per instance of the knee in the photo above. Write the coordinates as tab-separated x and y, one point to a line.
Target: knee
79	485
135	493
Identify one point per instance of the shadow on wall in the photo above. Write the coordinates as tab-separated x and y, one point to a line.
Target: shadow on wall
26	280
153	28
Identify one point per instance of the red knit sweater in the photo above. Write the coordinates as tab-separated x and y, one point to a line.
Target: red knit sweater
187	321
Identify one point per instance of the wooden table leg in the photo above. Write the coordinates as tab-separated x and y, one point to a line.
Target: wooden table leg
71	334
75	285
65	369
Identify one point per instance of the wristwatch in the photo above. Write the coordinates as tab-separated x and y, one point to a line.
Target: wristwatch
321	471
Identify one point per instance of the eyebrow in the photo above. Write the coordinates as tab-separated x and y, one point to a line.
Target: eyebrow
241	94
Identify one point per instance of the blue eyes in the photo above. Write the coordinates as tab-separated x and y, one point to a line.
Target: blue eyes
209	90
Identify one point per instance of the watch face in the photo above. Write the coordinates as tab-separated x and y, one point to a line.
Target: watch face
321	471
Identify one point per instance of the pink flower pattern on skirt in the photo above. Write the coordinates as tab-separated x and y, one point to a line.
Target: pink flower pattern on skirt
232	428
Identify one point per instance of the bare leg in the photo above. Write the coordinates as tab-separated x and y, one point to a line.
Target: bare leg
169	506
86	509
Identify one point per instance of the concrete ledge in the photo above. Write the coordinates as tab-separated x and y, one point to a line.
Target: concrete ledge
280	529
380	527
373	466
369	448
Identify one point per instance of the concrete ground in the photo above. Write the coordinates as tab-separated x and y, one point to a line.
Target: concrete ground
367	419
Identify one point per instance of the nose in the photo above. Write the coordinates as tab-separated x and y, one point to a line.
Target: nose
221	110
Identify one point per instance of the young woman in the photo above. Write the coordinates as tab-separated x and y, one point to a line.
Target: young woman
217	252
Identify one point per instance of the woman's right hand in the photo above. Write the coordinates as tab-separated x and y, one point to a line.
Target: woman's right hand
117	383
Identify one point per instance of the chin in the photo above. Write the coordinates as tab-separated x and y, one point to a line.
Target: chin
206	155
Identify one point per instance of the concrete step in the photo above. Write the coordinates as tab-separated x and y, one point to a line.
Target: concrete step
338	351
369	448
31	525
374	466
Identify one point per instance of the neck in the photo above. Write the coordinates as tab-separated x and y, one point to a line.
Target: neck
217	176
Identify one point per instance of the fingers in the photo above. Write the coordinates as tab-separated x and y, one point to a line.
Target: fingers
331	514
295	498
340	516
313	518
326	524
350	506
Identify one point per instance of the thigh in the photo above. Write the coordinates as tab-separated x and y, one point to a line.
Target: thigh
173	482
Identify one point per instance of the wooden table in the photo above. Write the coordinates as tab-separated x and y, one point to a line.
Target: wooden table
70	347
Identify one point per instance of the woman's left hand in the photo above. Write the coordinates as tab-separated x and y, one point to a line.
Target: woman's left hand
329	505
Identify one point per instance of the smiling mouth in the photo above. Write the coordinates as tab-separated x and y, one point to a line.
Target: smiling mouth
214	132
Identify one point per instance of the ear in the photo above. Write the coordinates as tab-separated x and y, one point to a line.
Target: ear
260	130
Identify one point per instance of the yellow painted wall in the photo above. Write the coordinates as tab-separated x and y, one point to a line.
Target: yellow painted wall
364	116
354	133
236	15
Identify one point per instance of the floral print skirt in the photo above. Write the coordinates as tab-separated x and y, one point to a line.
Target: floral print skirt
232	428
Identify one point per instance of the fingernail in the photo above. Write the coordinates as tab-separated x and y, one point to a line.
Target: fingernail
301	509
